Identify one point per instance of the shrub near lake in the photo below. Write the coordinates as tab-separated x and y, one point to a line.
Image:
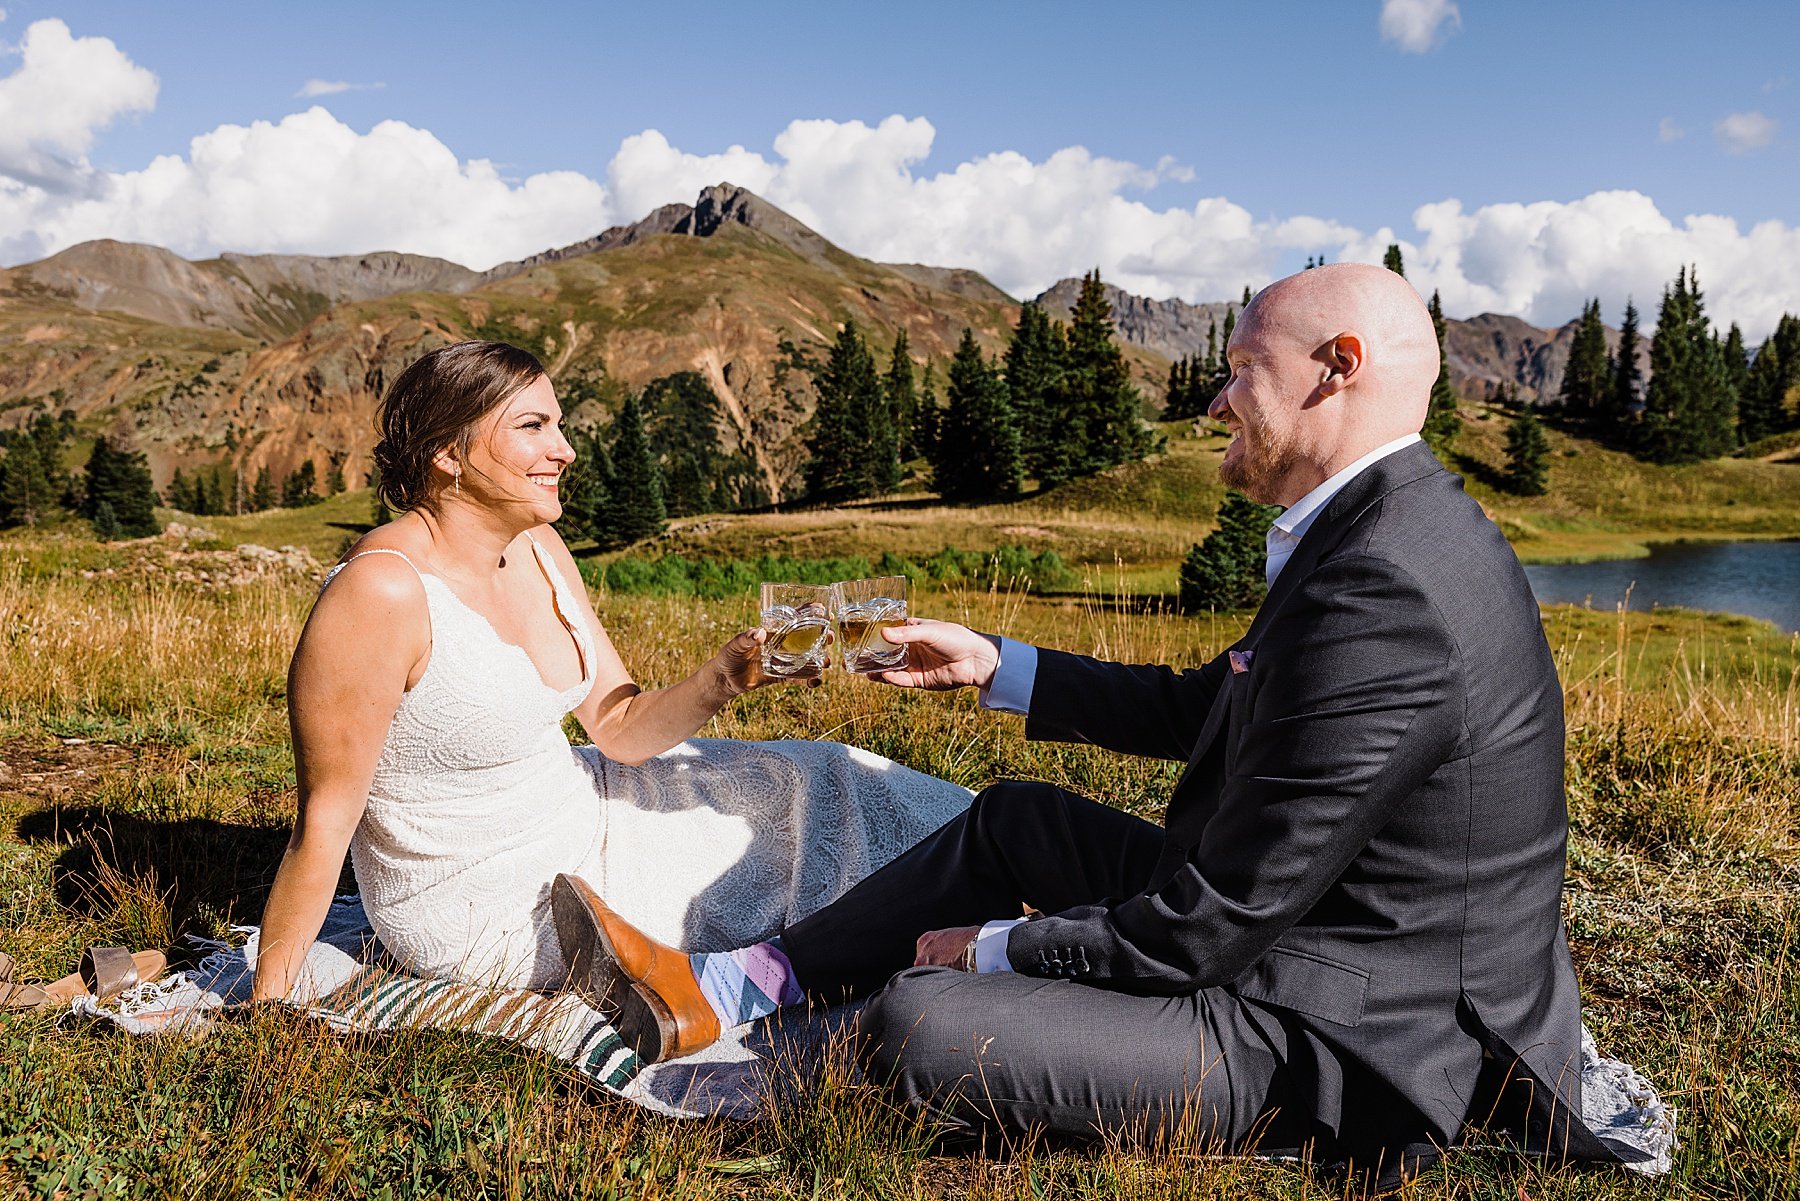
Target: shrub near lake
147	784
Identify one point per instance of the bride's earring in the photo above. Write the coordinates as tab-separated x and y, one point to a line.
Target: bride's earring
456	483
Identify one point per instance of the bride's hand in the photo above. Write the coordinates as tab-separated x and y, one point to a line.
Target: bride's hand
739	664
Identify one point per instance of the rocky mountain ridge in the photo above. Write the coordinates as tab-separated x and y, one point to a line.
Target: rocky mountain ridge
263	361
1483	352
189	361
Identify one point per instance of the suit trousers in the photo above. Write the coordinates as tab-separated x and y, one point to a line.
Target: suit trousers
1021	1053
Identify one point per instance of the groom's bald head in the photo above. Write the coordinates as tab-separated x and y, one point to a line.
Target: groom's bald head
1327	365
1311	308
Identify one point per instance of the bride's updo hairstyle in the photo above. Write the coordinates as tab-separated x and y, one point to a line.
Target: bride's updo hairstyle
440	401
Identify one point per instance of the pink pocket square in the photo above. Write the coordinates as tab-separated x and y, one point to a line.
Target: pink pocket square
1240	661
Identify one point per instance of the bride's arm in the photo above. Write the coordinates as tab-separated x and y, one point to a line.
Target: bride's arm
630	725
365	636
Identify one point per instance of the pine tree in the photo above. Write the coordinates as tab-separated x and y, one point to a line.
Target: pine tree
853	444
334	475
1584	382
1101	405
1527	454
301	486
1245	303
1441	421
105	522
1221	370
585	486
1690	413
1033	366
1621	410
121	479
26	496
1226	570
1175	393
902	395
1737	371
211	489
1392	260
978	448
180	494
1772	382
262	496
928	418
634	503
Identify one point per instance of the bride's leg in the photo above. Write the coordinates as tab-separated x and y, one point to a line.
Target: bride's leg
1018	844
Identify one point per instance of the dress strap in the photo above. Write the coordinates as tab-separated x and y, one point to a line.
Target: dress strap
373	550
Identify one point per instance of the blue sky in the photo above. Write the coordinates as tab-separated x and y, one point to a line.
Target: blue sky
1280	130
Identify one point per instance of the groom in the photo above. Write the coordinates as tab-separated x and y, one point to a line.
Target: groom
1347	935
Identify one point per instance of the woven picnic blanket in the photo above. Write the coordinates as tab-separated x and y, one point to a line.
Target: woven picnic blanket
350	984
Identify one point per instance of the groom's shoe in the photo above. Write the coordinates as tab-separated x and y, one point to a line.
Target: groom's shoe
646	988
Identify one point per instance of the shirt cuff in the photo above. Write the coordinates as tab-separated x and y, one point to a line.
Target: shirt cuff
1010	689
990	947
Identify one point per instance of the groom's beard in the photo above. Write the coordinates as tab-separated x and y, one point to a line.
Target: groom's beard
1264	463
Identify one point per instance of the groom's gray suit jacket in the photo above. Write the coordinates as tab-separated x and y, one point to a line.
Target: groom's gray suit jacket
1368	842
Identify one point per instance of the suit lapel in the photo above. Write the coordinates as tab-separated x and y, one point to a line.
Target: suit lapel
1402	467
1328	529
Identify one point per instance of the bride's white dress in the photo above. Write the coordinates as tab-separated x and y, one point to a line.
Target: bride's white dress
478	801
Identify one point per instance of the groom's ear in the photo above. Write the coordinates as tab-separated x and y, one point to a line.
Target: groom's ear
1343	356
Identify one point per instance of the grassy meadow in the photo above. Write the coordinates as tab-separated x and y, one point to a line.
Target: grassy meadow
146	785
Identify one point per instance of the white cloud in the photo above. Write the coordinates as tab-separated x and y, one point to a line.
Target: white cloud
65	90
314	88
1667	131
648	172
1542	261
311	184
1418	25
1740	133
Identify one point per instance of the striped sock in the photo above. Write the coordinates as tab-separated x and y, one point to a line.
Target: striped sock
746	984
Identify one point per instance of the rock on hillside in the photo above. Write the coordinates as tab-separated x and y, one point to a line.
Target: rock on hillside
1494	348
1170	328
260	295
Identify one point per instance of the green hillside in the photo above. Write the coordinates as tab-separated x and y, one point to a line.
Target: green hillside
1127	529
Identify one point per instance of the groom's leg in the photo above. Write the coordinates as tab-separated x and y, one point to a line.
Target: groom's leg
1018	843
1019	1054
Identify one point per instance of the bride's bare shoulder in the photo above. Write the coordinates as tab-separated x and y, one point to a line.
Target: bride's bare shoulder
381	572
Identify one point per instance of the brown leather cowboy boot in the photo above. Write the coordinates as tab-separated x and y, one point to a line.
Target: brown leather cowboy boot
646	988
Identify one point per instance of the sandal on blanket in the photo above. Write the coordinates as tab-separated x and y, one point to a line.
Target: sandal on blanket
108	971
105	972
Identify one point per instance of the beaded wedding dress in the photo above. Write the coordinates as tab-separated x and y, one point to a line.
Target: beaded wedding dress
478	801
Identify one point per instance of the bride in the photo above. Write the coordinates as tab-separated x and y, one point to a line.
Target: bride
426	699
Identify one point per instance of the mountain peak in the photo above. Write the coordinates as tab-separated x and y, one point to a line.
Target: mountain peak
726	203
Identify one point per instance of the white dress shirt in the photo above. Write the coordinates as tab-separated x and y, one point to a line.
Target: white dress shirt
1010	689
1292	525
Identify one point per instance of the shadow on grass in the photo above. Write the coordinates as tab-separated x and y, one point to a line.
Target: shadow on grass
201	868
1162	604
1475	469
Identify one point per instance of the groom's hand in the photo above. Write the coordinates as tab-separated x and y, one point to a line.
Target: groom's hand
945	948
940	655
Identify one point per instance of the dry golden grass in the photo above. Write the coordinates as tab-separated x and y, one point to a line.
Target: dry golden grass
145	784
